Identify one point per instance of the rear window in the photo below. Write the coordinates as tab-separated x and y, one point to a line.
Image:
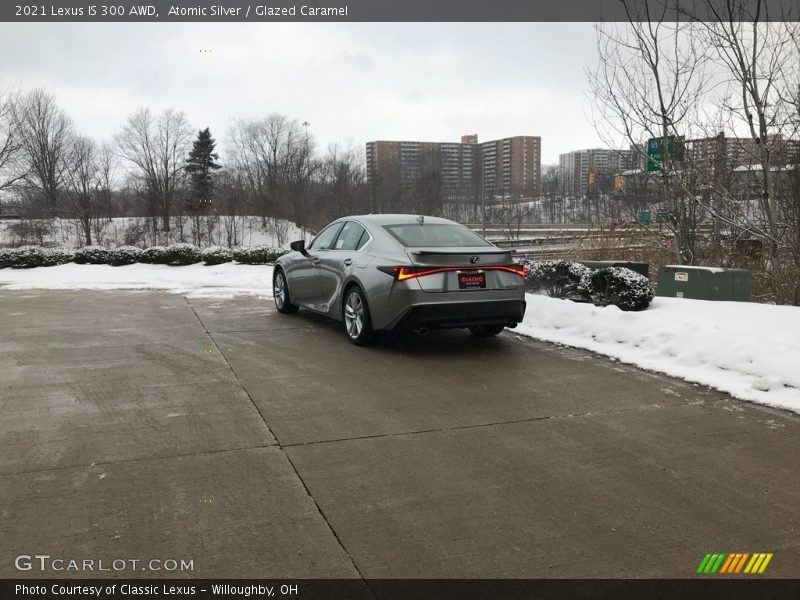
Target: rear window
435	235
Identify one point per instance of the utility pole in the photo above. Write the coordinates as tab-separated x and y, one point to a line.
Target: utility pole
483	195
306	125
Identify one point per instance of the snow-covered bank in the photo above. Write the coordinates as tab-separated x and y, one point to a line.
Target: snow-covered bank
138	231
751	351
220	281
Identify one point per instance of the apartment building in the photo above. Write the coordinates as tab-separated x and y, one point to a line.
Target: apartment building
506	167
583	168
512	166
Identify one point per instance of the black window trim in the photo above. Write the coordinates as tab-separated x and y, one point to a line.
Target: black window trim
333	242
344	223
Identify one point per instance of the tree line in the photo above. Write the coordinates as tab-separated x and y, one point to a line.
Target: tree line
158	166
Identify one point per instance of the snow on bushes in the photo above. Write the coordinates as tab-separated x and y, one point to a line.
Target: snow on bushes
176	254
28	257
216	255
183	254
610	285
155	255
621	287
6	257
124	255
558	279
257	255
92	255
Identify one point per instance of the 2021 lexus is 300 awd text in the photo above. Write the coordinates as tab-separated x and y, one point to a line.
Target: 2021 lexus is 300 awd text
402	272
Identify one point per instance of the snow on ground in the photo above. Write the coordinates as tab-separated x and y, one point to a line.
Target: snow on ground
751	351
197	281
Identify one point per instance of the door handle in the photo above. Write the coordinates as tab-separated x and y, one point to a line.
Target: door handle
315	262
347	262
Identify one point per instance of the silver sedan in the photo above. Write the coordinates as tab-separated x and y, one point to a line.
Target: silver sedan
402	272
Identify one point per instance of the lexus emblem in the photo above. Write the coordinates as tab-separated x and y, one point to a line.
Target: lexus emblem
473	259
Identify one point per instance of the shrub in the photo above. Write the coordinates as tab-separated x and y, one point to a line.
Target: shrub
216	255
124	255
182	254
621	287
58	256
558	278
155	255
257	255
28	257
92	255
7	256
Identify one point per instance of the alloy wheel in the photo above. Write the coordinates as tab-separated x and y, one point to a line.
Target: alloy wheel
280	290
354	314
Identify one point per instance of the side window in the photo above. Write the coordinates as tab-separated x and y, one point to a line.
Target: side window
350	237
325	239
364	239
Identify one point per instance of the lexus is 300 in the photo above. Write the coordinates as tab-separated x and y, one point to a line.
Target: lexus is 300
402	272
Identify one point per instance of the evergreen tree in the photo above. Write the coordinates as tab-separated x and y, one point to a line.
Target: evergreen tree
200	165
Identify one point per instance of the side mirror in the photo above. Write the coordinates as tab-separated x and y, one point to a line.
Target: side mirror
299	246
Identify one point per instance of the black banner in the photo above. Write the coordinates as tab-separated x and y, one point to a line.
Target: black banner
372	10
705	588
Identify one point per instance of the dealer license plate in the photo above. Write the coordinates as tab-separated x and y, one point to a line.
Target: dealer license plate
468	281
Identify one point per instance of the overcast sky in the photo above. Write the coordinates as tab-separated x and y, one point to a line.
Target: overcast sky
352	82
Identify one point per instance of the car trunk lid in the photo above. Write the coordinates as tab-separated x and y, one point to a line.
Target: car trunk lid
461	265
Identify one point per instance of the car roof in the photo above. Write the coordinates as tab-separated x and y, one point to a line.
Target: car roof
395	219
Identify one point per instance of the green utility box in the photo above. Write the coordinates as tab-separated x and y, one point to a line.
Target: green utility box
639	267
705	283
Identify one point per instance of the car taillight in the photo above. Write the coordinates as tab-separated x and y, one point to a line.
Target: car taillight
520	270
405	273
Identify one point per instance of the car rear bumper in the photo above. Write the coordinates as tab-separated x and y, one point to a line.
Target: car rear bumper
450	315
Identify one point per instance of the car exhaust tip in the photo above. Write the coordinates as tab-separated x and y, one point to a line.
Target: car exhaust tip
422	331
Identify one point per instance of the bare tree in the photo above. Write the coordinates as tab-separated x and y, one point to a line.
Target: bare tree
157	146
82	183
554	192
754	55
10	144
231	204
275	158
107	163
512	217
649	80
342	182
44	132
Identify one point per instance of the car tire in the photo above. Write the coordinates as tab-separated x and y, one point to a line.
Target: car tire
356	317
486	331
280	290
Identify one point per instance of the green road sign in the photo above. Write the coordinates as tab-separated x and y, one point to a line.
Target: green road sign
644	217
663	216
658	150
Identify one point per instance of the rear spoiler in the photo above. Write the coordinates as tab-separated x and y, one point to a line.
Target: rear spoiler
447	251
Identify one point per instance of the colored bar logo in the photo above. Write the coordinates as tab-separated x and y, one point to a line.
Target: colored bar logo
734	563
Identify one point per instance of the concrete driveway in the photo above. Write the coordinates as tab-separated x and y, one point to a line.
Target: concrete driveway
143	426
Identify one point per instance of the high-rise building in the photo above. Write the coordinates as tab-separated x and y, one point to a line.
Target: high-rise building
507	167
405	162
512	166
726	152
584	168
